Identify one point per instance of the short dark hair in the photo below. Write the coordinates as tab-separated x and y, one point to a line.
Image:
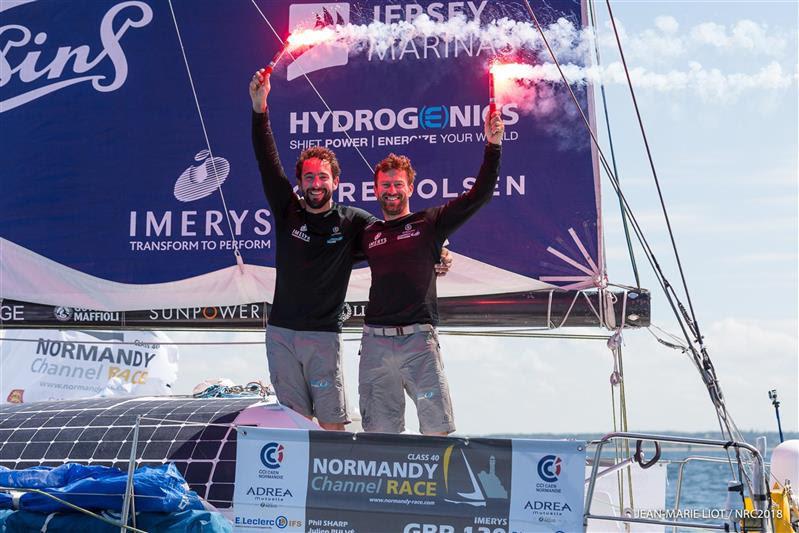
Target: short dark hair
318	152
396	162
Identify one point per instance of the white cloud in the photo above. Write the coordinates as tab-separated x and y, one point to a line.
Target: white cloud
744	35
667	24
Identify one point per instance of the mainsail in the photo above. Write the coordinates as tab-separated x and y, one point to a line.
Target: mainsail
129	177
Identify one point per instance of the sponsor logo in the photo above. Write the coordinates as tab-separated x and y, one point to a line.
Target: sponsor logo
202	180
551	507
280	521
269	496
81	351
434	48
336	236
63	314
227	312
481	487
385	118
434	117
272	455
34	77
377	240
549	468
352	310
324	55
408	233
12	312
364	476
276	492
75	314
300	234
15	396
436	11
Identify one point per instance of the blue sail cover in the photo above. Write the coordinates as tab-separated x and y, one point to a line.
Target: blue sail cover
128	176
157	489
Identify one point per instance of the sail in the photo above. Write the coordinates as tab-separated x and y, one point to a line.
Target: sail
129	180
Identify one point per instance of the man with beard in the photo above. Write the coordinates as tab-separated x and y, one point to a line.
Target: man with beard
399	349
315	238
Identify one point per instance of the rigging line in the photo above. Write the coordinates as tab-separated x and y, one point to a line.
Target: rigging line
663	331
617	446
633	263
654	172
236	251
510	336
708	377
649	253
304	75
624	421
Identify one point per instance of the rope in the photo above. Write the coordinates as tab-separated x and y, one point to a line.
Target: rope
236	251
654	174
702	360
617	379
75	507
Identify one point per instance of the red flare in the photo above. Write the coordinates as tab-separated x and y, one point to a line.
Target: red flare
271	66
501	78
492	103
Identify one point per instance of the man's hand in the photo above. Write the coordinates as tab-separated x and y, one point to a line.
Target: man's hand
494	129
259	89
444	264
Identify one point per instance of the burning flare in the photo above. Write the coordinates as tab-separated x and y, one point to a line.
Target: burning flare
502	81
310	37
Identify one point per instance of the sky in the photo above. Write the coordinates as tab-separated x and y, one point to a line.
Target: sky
717	87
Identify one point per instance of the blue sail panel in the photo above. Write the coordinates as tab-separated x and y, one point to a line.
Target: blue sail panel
129	180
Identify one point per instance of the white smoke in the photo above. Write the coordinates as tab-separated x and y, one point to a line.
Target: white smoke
709	84
574	49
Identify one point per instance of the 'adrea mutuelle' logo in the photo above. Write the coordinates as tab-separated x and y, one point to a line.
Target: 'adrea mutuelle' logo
272	455
46	67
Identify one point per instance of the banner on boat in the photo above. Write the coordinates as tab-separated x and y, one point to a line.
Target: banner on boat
41	365
539	309
129	181
326	482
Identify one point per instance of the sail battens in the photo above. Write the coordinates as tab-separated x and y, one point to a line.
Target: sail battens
583	251
571	261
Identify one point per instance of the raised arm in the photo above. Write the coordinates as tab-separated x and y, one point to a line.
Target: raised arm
277	186
453	214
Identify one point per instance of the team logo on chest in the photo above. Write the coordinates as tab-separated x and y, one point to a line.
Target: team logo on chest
408	233
336	236
377	240
301	233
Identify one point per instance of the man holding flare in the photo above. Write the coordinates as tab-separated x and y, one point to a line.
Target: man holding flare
400	349
316	241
